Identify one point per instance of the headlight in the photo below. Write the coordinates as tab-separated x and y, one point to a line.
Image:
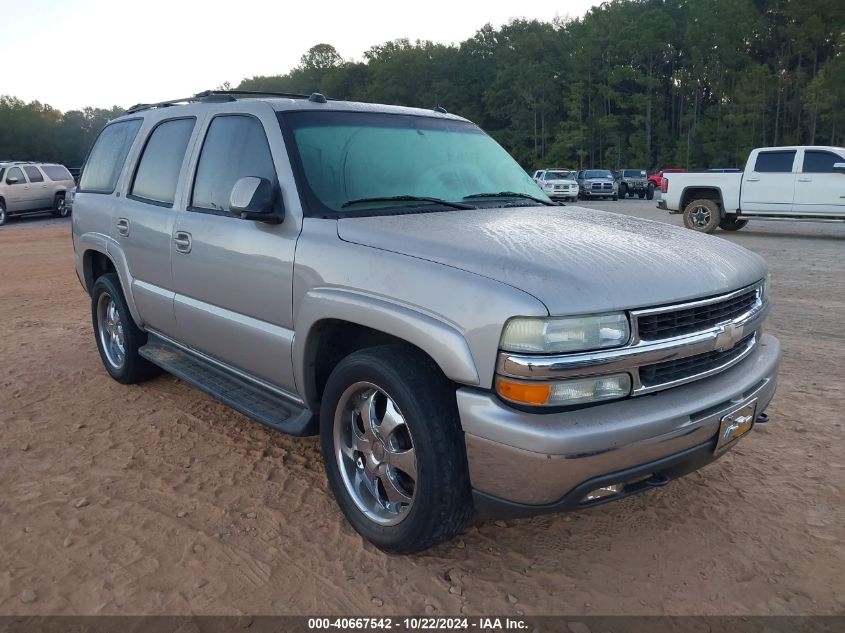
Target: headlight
562	393
556	335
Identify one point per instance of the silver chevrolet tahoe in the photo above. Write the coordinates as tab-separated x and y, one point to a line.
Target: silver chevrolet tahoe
390	279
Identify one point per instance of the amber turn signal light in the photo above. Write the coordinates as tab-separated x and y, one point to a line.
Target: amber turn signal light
526	393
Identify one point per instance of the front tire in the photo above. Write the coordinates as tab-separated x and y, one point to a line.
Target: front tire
623	191
614	198
118	338
649	194
732	223
702	215
394	450
3	216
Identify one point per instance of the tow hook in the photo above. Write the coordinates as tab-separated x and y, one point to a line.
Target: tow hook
762	419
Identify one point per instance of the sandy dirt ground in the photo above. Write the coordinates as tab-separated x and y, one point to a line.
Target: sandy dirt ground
157	499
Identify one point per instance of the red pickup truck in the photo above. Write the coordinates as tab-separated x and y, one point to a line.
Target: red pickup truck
658	176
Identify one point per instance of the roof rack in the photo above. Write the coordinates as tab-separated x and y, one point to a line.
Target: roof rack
222	96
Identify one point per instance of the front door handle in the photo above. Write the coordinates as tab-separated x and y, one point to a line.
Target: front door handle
182	240
807	179
752	180
123	227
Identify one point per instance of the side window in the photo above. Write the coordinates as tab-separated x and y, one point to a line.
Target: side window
775	162
818	162
234	147
33	174
106	159
161	161
56	172
15	172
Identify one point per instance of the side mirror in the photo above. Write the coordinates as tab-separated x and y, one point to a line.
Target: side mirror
12	180
839	167
253	199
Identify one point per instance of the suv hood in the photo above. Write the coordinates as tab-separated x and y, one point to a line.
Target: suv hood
574	260
560	181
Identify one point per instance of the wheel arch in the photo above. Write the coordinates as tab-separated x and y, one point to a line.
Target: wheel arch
100	250
333	323
703	193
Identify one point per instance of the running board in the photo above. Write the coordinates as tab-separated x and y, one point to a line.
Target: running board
254	401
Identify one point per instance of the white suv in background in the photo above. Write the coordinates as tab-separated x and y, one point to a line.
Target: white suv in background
27	187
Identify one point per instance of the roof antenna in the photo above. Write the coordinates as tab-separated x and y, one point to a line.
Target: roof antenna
440	109
316	97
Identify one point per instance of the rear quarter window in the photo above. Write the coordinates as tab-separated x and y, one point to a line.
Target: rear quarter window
106	159
56	172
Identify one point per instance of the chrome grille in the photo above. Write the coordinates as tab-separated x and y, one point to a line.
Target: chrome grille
675	370
662	325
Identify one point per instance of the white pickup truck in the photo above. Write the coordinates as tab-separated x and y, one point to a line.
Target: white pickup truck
801	182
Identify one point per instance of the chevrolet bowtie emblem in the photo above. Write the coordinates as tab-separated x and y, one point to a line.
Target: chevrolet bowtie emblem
729	336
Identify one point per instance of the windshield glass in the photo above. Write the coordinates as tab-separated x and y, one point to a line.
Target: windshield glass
597	173
558	175
348	156
634	173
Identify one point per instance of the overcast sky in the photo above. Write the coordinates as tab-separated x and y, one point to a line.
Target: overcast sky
75	53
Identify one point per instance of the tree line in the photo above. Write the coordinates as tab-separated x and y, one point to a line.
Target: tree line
632	83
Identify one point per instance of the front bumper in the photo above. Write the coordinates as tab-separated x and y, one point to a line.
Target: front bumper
525	463
599	193
562	193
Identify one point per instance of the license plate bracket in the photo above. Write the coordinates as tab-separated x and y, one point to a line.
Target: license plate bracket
735	424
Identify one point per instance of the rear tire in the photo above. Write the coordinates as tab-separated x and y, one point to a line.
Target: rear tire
60	208
623	191
702	215
379	404
3	216
732	223
614	198
650	191
118	338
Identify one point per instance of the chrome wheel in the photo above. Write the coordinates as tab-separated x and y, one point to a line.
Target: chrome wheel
700	216
61	207
110	329
375	453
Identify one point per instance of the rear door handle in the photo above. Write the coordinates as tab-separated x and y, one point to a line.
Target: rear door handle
123	227
808	179
752	180
182	240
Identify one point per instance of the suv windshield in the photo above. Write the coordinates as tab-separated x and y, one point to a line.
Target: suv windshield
358	156
634	173
597	173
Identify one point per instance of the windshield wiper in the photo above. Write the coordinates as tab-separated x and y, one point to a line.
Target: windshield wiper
445	203
510	194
